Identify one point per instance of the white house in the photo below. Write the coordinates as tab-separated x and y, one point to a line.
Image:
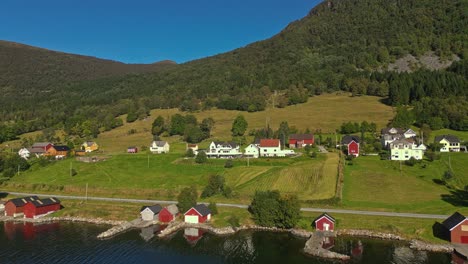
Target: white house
24	153
404	149
390	134
150	213
272	148
252	151
219	149
159	147
193	147
449	143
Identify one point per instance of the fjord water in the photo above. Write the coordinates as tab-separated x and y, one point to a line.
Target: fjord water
77	243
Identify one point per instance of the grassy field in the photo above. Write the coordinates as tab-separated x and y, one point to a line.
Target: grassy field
371	183
163	176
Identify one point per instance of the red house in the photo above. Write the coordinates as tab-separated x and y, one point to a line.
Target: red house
198	214
132	150
37	208
15	207
457	226
325	223
300	140
168	214
352	145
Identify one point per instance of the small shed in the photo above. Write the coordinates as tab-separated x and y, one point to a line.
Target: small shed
40	207
325	223
457	227
168	213
150	213
197	214
132	150
15	207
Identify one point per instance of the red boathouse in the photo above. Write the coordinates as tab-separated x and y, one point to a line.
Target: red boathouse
15	207
36	208
325	223
197	214
457	226
168	214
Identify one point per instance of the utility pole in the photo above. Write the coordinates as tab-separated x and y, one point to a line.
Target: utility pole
248	164
86	193
18	169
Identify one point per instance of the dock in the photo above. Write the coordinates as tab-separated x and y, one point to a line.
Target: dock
136	223
314	247
461	250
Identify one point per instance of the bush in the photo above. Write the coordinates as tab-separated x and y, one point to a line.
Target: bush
73	172
448	175
411	162
189	153
201	157
270	209
187	198
229	163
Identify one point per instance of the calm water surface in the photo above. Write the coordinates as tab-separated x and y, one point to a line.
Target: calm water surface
77	243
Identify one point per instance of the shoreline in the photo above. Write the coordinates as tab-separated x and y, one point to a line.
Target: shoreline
226	231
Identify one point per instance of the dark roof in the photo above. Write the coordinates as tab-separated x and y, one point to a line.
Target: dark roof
154	208
449	138
386	131
202	209
160	143
226	144
45	202
41	144
61	148
327	216
348	138
453	220
301	136
19	202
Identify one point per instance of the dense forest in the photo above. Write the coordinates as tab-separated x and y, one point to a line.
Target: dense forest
340	45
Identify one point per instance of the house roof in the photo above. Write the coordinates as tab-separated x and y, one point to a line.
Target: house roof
156	208
160	143
269	143
348	138
41	144
45	202
202	209
23	200
36	150
89	143
326	216
61	148
401	141
392	131
230	144
449	138
455	219
173	209
301	136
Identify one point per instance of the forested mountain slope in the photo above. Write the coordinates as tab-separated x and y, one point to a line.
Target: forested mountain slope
339	45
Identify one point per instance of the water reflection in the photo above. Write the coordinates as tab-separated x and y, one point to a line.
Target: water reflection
405	255
147	233
28	230
193	235
458	259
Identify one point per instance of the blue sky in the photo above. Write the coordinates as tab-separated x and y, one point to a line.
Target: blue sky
145	31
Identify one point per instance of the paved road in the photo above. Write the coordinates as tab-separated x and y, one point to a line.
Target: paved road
320	210
322	149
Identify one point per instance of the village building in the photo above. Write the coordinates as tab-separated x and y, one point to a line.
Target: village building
390	134
150	213
193	147
272	148
457	227
42	145
132	150
197	214
300	140
15	207
325	223
24	153
352	145
219	149
252	151
40	207
449	143
405	149
158	147
58	152
168	213
89	146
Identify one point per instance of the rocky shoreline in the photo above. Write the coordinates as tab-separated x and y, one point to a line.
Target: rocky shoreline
121	226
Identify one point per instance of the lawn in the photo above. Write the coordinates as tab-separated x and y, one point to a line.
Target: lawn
163	176
371	183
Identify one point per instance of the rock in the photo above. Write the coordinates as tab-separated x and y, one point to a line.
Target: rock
420	245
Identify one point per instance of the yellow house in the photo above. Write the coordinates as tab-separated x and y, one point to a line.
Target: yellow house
448	143
89	146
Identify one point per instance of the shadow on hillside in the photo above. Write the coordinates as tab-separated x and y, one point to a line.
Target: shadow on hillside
438	181
3	195
439	230
456	197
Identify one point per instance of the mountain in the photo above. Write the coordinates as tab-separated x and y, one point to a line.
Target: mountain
340	45
24	67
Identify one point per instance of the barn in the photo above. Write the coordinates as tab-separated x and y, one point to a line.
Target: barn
15	207
352	144
150	213
325	223
39	207
168	213
457	226
197	214
300	140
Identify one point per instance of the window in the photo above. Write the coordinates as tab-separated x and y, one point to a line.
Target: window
464	227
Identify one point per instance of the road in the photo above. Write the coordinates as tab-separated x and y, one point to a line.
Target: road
243	206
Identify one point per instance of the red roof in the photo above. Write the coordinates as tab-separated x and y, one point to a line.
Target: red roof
269	143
